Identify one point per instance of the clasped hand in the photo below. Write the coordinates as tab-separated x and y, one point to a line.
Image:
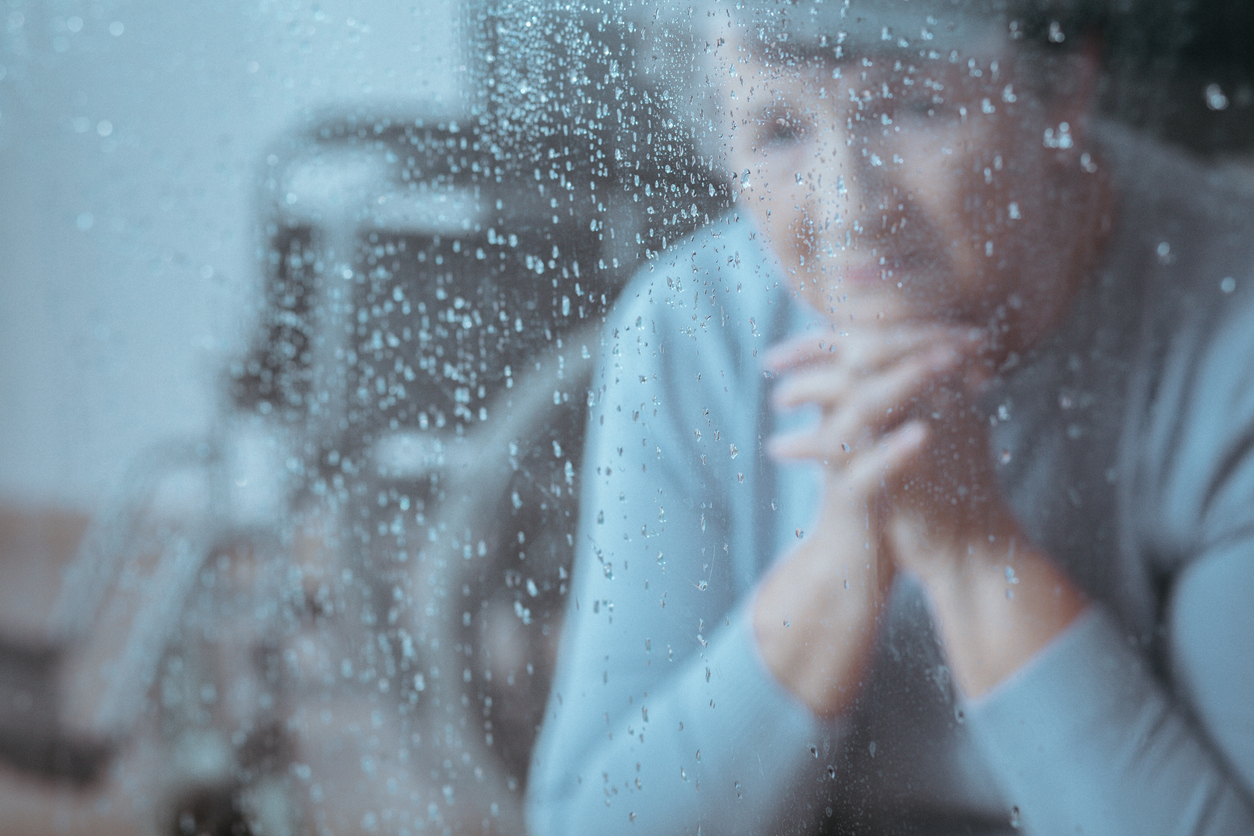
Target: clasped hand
908	485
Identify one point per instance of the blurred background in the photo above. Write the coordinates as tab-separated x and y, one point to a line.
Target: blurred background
298	307
298	304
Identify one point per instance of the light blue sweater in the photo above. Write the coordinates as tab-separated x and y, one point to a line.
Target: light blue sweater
1126	445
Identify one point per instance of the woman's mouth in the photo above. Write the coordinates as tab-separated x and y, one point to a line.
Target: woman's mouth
862	275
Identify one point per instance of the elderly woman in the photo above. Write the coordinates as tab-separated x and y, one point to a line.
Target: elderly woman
919	494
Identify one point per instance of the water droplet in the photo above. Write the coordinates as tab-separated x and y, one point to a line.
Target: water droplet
1228	284
1215	98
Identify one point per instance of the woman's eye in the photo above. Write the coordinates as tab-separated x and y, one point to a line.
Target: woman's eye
782	130
927	107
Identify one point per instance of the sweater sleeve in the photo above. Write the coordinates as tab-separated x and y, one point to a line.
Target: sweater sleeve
1086	740
662	717
1088	737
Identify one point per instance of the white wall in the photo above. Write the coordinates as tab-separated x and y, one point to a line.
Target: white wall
131	133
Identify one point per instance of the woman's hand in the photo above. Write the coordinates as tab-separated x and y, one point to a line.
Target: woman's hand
815	613
996	598
910	483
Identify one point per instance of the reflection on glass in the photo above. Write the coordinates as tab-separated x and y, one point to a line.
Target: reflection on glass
732	417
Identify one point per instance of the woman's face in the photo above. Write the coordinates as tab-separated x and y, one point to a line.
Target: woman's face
895	187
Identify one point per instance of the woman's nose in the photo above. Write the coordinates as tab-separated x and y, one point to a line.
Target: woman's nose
850	196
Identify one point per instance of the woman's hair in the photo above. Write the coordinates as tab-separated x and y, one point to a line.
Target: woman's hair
1136	39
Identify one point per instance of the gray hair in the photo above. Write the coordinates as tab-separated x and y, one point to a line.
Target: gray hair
1139	39
682	43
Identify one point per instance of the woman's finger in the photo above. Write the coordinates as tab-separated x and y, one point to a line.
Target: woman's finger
876	405
883	462
830	386
823	386
889	458
866	349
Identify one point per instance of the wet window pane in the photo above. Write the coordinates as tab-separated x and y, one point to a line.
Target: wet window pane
473	416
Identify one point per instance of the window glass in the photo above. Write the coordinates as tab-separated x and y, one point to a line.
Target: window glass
740	416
